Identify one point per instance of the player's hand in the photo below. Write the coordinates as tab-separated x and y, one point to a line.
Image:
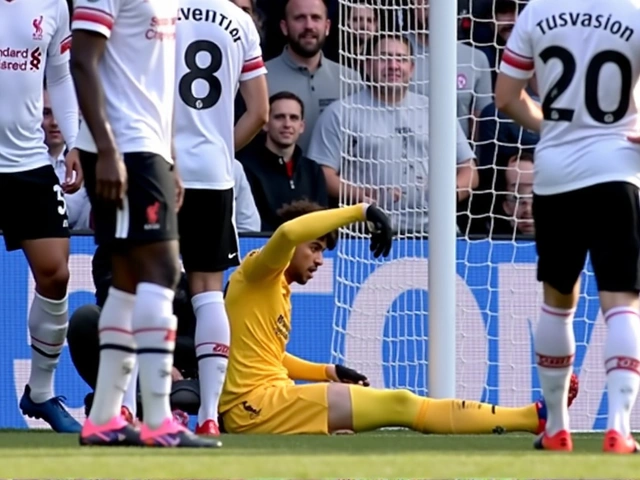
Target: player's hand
176	375
179	188
111	177
73	176
349	375
634	137
380	231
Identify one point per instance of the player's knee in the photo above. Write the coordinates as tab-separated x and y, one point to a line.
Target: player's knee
159	264
200	282
402	399
609	300
169	272
52	278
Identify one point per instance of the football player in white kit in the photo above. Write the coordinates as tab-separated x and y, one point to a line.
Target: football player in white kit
218	52
584	54
123	64
34	42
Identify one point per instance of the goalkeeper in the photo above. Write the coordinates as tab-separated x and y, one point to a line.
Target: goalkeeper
260	395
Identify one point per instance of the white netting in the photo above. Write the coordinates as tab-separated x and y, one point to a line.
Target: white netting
381	320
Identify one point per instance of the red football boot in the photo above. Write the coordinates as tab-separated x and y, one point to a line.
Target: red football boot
208	428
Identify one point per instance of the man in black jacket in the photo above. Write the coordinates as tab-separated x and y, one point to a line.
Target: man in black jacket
84	346
276	169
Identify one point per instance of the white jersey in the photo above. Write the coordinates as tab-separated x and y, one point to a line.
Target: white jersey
32	35
218	47
137	70
585	55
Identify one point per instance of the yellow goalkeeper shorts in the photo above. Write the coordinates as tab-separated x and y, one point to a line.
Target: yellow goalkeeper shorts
281	409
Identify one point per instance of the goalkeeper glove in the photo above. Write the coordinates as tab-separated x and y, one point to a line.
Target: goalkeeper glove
349	375
380	231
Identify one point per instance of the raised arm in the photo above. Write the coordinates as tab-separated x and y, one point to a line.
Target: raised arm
277	253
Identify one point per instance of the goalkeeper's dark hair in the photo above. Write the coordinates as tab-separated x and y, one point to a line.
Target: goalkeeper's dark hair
302	207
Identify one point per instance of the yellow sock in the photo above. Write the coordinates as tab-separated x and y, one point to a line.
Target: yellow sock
464	416
373	409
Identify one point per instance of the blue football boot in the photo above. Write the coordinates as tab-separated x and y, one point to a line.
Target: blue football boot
52	411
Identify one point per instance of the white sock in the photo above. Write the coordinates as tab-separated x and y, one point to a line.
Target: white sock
130	399
154	330
555	347
212	351
622	364
117	356
48	321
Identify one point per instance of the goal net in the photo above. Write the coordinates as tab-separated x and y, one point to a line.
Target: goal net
381	323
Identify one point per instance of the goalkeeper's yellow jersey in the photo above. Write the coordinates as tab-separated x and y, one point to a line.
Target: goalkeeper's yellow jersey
260	317
258	304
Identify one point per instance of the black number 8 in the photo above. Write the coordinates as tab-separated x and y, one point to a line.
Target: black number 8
206	73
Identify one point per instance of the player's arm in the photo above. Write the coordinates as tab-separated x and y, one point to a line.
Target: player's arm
256	96
516	68
299	369
467	174
91	26
276	254
254	91
59	81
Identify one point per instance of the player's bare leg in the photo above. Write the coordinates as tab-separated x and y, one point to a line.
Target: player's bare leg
212	345
555	347
622	365
360	409
48	321
154	332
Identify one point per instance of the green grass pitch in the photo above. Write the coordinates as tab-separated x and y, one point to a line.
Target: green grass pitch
389	454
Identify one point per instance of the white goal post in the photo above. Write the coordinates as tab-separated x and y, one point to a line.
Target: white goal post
443	316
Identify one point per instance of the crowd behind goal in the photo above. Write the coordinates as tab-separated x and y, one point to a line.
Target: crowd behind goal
306	75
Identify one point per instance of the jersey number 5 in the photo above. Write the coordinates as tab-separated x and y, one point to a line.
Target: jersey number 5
591	84
206	73
62	207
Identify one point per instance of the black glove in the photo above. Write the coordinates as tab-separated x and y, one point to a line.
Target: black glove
380	231
349	375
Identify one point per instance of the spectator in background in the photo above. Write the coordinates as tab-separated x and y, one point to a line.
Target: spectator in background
387	149
249	7
78	205
499	139
473	78
504	18
515	215
277	170
247	218
302	68
361	25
